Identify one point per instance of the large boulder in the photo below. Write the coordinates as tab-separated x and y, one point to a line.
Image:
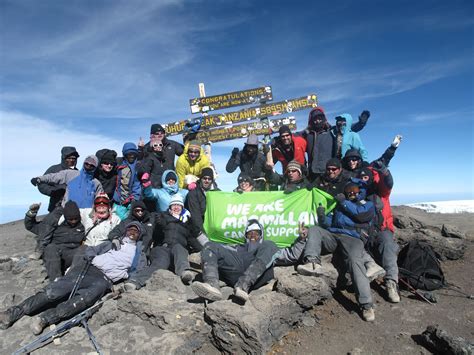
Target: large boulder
439	341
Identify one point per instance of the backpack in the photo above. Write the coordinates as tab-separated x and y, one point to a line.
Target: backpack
420	267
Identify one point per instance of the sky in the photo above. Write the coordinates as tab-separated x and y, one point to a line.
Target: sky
97	74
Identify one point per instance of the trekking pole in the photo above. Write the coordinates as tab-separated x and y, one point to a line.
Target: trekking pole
455	288
415	292
79	279
91	336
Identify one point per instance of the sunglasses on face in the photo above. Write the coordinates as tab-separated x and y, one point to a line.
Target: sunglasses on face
138	210
88	166
206	178
195	152
110	164
354	159
332	169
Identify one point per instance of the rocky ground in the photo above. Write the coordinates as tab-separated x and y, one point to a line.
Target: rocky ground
294	314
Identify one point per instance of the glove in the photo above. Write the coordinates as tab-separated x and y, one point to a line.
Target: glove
380	167
340	198
33	209
235	151
145	180
35	181
364	116
321	213
396	141
192	186
116	244
302	230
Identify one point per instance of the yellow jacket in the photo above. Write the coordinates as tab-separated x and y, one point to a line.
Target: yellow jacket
186	167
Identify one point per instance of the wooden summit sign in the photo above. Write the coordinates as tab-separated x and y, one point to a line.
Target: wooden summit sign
236	98
247	114
244	130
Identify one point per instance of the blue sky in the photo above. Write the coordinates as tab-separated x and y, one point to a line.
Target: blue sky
96	74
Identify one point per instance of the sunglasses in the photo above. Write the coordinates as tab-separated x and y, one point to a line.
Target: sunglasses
87	165
138	210
332	169
354	159
194	152
207	178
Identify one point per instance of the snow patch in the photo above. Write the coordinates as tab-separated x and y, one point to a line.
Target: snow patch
461	206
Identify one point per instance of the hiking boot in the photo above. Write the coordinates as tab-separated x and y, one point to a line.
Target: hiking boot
368	314
311	268
392	291
241	294
37	325
374	271
207	291
187	276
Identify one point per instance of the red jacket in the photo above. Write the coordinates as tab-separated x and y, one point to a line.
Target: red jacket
384	193
299	148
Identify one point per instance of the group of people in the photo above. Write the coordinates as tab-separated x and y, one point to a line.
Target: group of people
123	218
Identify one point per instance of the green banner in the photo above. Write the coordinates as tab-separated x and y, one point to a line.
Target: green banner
227	213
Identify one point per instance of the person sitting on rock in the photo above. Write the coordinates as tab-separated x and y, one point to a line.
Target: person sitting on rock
344	231
173	250
250	162
190	164
244	267
81	186
245	183
293	179
58	240
163	195
101	272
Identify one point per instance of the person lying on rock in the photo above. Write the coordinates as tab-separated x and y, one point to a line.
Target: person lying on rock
244	267
179	238
344	231
100	273
60	234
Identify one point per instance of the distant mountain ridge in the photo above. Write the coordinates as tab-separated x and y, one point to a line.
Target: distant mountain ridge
459	206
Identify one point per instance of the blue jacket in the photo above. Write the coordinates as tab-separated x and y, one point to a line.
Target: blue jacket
163	195
352	215
134	186
350	140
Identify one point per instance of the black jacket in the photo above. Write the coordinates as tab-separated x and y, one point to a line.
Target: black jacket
254	166
177	232
196	205
285	184
56	191
48	230
331	187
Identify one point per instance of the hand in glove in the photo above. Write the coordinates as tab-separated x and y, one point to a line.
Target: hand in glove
380	167
35	181
396	141
116	244
364	116
192	186
33	209
321	213
235	151
340	198
302	230
145	180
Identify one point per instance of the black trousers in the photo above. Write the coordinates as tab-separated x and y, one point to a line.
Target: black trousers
53	299
56	259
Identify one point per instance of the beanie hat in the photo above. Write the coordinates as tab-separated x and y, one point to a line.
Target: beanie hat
352	153
366	172
71	210
129	147
92	160
245	177
194	144
107	156
139	204
176	199
102	199
252	140
170	175
284	129
295	166
254	225
334	162
156	127
317	111
69	151
207	172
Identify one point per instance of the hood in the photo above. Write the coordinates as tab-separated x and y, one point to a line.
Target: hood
317	111
136	224
170	189
352	153
129	147
141	204
67	151
349	120
185	153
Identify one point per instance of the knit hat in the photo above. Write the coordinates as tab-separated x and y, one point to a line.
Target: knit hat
176	199
207	172
252	140
284	129
156	127
195	145
295	166
254	225
366	172
334	162
170	175
71	211
102	199
92	160
128	148
245	177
